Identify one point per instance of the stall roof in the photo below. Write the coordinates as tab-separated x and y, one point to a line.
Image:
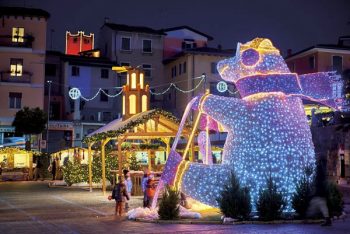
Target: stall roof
148	124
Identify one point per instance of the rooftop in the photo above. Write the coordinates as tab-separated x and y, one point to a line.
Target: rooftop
321	46
23	11
188	28
128	28
202	51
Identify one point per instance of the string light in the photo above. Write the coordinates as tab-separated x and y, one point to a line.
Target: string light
268	132
76	90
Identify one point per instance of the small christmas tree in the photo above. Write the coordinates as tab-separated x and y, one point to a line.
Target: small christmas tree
169	205
302	196
133	163
270	203
234	201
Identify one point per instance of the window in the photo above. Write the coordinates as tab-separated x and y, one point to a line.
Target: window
173	72
147	68
189	44
184	67
15	100
16	67
132	104
50	69
103	96
133	81
337	62
86	41
147	46
75	40
75	71
17	34
213	68
126	44
104	73
180	69
312	62
144	103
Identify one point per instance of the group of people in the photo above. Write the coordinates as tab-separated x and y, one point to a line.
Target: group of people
122	191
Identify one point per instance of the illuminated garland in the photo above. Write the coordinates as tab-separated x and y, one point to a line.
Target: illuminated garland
77	94
130	125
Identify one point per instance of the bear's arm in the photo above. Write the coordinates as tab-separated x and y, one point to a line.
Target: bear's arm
221	108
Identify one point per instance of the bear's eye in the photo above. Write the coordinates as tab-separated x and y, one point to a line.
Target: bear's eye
250	57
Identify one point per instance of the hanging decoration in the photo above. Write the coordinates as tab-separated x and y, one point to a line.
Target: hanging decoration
75	93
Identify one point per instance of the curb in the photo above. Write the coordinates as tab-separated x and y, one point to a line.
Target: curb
187	221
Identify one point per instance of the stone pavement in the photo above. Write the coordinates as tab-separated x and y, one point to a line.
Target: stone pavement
33	207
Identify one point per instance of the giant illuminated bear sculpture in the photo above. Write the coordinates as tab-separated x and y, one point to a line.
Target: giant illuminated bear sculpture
268	132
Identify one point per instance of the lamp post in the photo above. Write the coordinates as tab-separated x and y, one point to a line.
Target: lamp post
48	117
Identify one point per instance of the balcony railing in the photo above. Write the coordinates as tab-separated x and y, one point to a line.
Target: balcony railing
24	78
7	40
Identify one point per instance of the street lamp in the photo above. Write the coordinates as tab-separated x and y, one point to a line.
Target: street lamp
48	117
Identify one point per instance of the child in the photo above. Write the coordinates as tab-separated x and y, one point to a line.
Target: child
119	194
150	190
128	184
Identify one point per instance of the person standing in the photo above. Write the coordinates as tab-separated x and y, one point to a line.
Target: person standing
143	186
150	190
53	169
128	184
38	170
120	196
319	201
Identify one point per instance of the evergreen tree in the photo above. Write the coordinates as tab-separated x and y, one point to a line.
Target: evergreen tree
133	163
169	205
234	201
270	203
302	196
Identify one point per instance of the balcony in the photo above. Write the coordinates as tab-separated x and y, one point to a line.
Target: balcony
6	40
25	78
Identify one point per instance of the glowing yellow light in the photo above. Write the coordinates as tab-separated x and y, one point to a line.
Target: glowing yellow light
132	104
141	80
123	105
17	34
144	103
16	69
133	81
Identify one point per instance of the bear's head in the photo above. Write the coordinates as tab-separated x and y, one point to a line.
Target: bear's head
255	57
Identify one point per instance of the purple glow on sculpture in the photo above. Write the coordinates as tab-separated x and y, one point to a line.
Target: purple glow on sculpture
268	132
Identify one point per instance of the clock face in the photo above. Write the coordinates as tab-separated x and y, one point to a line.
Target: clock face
74	93
221	86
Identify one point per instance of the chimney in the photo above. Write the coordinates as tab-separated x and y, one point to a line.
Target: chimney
219	47
289	52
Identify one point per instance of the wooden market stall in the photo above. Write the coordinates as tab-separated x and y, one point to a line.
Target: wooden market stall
138	122
16	163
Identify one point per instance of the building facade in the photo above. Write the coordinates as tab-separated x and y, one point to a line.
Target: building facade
193	69
134	46
323	58
22	62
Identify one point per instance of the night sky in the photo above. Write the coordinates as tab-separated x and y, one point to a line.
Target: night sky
294	24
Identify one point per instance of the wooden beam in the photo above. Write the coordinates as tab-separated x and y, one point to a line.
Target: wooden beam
167	126
151	134
90	166
103	158
120	159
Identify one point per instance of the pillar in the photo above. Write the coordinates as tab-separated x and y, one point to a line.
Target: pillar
90	165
